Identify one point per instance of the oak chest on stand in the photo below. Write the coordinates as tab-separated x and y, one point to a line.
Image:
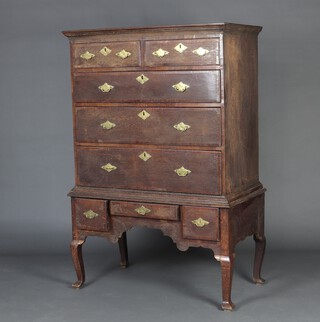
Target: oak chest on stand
166	137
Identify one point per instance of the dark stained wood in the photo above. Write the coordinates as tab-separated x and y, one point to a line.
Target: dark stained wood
205	126
157	173
187	57
165	212
210	231
241	110
204	87
220	147
100	222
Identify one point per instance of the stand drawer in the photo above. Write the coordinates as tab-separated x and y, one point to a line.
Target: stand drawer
144	210
200	223
90	214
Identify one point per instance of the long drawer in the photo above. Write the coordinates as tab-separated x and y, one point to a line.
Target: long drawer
169	86
149	169
163	126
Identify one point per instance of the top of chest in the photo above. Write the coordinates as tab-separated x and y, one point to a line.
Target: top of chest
189	45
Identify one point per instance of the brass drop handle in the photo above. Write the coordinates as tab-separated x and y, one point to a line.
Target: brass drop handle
181	127
160	53
109	167
106	88
201	51
142	210
180	87
182	172
87	55
123	54
200	222
107	125
90	214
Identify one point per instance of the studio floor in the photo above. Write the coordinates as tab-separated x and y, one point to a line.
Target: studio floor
162	284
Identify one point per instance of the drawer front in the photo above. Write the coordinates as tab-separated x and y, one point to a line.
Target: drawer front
144	210
196	86
149	169
174	126
91	214
112	54
189	52
200	223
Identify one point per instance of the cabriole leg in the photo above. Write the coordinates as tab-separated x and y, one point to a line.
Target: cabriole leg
76	253
123	251
260	242
227	264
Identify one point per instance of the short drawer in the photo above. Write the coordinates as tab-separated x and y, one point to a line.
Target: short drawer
191	52
150	169
90	214
144	210
173	86
176	126
109	54
200	223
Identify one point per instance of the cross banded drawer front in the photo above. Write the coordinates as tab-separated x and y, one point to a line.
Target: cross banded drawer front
173	86
107	54
144	210
191	52
90	214
163	171
200	223
187	126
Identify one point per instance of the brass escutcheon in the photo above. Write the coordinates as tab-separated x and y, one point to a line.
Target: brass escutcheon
180	48
144	115
145	156
105	51
142	79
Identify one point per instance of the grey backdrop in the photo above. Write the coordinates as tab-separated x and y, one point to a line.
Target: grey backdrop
36	163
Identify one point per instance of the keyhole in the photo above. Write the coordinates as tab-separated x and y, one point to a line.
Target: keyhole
144	154
143	113
180	46
141	76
